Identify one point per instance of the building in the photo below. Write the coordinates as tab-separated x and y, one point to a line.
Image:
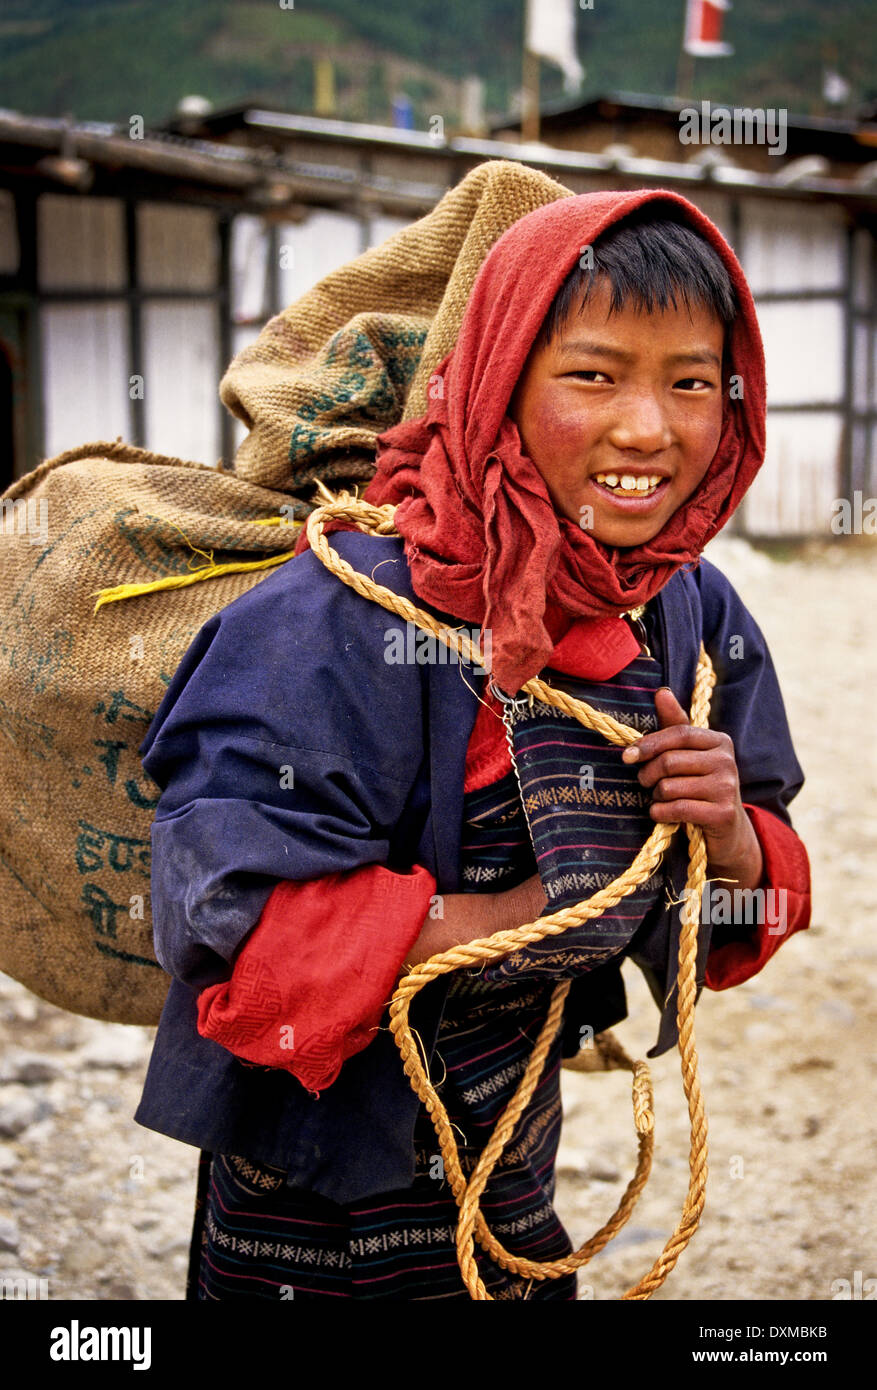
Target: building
134	264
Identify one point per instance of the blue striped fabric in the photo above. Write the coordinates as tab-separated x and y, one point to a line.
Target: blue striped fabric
257	1238
588	817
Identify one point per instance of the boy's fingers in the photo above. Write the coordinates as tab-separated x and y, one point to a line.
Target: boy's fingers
668	708
674	731
680	762
674	736
702	813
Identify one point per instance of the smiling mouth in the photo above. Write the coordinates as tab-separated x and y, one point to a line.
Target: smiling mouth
630	484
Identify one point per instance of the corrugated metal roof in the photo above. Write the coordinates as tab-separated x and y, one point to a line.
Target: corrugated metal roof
248	169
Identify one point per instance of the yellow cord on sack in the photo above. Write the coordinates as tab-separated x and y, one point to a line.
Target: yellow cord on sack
208	571
471	1224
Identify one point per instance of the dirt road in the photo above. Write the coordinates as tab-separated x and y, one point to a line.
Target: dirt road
787	1060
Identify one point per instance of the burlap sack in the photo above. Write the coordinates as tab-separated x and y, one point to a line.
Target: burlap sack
354	355
77	692
78	689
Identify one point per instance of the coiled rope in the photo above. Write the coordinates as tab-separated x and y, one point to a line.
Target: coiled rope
471	1225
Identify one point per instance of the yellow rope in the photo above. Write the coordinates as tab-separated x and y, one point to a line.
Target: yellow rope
471	1224
208	571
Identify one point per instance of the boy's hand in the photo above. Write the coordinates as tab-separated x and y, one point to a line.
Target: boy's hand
693	776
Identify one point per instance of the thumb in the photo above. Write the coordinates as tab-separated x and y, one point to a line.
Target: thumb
668	708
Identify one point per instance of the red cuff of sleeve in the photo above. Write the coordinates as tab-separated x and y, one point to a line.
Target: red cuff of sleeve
786	879
315	974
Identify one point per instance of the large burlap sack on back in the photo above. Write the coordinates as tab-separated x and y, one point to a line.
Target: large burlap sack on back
78	689
77	692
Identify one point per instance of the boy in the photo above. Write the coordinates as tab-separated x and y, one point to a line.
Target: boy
582	449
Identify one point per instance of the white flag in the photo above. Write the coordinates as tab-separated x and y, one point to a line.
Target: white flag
550	31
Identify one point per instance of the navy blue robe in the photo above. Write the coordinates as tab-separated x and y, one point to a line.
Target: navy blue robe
293	674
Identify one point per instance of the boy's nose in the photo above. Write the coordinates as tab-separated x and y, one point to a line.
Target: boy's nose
641	424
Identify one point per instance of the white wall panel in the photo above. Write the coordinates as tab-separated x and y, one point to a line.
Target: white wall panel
311	249
80	243
177	247
861	339
800	477
859	454
804	351
180	379
863	245
85	374
249	268
792	246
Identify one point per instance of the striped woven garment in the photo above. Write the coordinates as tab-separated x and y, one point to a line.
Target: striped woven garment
587	816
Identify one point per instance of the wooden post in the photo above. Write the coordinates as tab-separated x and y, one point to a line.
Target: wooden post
530	97
684	74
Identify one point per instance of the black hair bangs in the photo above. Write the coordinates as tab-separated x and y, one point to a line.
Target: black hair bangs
651	260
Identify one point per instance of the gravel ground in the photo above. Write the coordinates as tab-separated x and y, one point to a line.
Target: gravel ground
787	1059
102	1208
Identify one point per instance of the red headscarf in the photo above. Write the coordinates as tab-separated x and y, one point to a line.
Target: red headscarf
482	538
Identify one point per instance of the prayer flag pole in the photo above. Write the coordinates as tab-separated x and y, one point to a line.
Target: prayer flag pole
530	96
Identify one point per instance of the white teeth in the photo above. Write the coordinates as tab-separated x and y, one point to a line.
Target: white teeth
628	482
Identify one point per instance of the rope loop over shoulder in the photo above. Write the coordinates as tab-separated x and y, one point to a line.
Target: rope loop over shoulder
471	1225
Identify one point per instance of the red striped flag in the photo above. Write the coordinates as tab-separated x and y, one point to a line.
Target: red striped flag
703	28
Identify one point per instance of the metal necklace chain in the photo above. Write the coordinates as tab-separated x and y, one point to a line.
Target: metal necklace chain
512	705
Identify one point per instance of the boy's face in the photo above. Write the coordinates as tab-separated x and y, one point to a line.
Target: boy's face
634	395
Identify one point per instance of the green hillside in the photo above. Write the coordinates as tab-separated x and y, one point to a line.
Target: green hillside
106	59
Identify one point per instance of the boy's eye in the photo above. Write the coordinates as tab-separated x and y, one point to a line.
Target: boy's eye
688	383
